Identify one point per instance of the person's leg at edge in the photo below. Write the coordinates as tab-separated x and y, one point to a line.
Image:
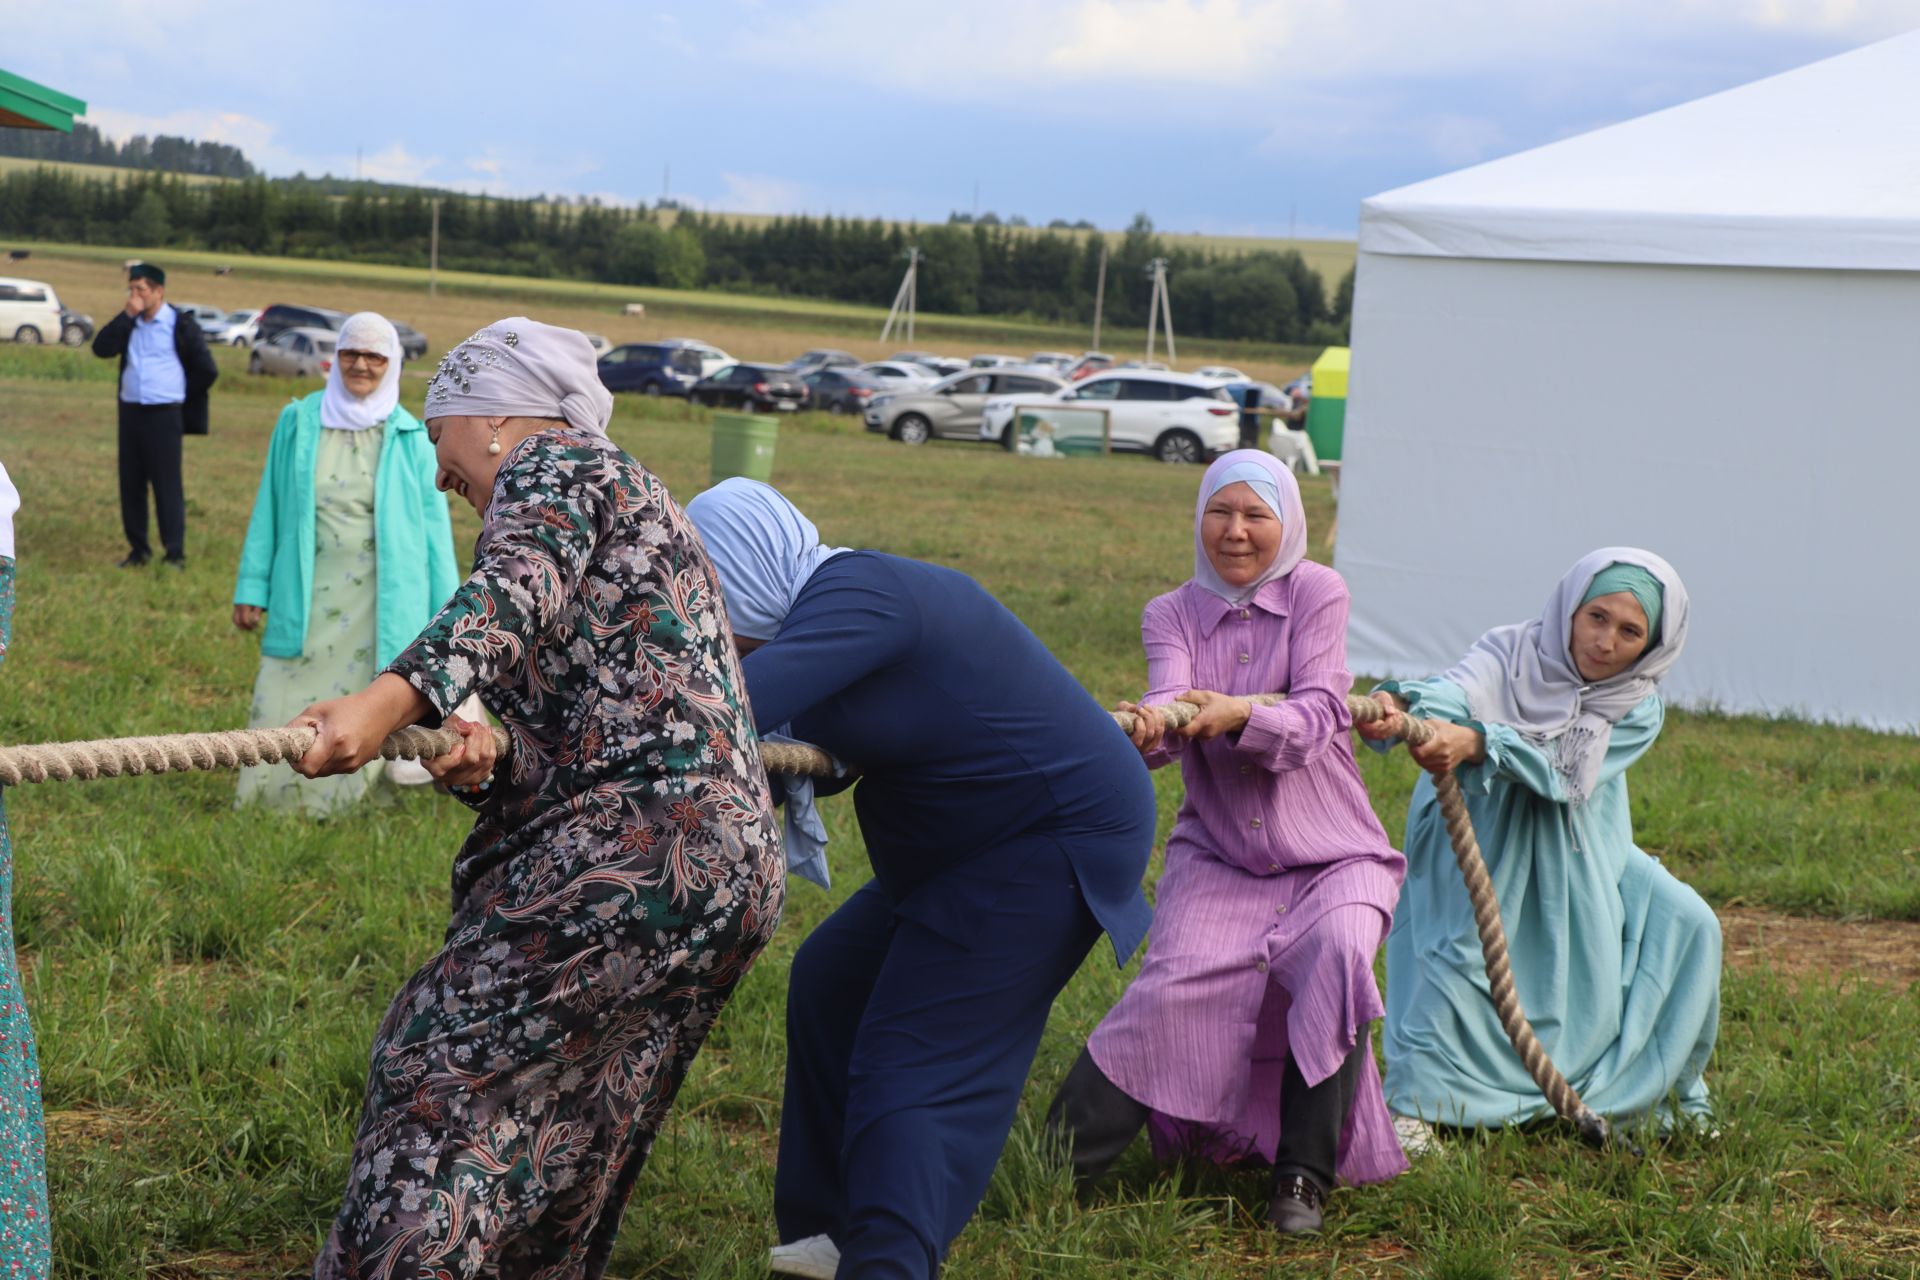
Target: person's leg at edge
833	973
1092	1120
949	1035
163	434
133	483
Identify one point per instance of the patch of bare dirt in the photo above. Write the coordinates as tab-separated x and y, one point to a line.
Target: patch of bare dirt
1885	952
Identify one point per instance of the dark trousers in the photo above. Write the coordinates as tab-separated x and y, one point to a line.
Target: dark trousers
150	455
1093	1120
906	1053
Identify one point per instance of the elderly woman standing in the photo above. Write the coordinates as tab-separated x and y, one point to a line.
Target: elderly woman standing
1246	1033
25	1248
1616	962
1008	823
624	870
349	553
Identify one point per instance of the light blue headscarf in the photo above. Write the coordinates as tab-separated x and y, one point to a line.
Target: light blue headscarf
765	551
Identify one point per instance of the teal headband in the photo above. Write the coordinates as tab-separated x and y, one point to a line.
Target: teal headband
1636	582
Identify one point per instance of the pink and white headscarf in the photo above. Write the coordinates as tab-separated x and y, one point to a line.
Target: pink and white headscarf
521	368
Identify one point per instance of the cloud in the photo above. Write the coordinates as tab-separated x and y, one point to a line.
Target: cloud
1173	39
760	193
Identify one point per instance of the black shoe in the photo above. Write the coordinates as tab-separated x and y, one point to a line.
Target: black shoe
1295	1208
175	562
133	561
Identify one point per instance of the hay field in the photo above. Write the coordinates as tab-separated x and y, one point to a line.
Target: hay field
205	983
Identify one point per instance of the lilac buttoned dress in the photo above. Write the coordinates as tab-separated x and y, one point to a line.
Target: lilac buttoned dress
1279	887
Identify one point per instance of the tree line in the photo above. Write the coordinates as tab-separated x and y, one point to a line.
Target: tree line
968	267
87	145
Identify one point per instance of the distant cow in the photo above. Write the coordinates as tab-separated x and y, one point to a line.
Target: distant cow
18	255
223	271
634	309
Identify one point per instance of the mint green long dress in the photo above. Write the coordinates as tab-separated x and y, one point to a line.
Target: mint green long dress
338	658
1616	961
24	1243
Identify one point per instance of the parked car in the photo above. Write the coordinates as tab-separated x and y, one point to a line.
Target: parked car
651	368
301	352
1089	363
712	358
822	358
1059	361
841	390
896	375
939	366
236	328
75	327
1224	372
413	343
598	342
207	316
756	388
951	407
29	311
990	361
283	315
1174	416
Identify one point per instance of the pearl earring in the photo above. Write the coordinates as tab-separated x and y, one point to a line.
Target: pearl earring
493	446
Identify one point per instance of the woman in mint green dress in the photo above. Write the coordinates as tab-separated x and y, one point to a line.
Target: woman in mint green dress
349	554
1616	961
24	1247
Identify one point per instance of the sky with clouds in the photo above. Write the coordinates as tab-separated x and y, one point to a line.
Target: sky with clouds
1223	116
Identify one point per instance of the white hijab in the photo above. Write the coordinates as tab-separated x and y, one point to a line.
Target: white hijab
1524	675
340	408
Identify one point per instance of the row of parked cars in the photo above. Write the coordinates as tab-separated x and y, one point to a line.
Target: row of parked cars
31	312
294	341
915	396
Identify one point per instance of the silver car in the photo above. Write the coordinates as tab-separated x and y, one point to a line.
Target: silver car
951	407
295	353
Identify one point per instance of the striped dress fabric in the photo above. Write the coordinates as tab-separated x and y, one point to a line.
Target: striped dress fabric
1279	886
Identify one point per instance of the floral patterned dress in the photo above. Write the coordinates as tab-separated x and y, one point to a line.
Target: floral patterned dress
338	658
24	1249
624	873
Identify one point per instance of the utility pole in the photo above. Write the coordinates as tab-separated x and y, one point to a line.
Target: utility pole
1159	310
1100	290
433	252
906	301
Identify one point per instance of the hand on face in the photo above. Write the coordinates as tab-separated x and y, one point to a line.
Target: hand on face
144	298
1609	635
1240	533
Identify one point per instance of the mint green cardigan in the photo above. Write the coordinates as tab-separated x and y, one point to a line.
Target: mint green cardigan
413	535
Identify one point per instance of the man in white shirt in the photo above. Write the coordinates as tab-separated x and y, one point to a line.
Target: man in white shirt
165	372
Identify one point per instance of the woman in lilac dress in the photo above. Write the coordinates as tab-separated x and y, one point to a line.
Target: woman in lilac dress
1246	1034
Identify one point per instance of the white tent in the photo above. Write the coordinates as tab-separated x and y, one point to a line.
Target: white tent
1697	332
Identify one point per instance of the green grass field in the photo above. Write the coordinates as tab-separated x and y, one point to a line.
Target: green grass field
205	983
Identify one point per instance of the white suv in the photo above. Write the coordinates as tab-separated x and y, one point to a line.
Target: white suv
29	311
1176	417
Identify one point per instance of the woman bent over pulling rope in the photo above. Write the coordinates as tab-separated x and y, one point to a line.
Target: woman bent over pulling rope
624	871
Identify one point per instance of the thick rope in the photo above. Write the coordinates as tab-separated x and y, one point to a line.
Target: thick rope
175	753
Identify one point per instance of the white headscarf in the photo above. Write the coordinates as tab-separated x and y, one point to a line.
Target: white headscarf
764	551
521	368
9	503
1275	485
1524	675
340	408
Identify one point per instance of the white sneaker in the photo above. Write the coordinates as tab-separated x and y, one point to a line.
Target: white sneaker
815	1258
1416	1136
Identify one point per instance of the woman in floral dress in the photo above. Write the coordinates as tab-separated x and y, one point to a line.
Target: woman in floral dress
624	871
23	1144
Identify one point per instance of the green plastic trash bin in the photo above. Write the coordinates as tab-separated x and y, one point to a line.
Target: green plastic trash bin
743	446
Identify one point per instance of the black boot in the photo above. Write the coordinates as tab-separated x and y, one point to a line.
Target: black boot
1311	1118
1092	1120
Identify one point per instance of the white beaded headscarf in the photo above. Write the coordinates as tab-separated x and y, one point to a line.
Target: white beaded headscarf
521	368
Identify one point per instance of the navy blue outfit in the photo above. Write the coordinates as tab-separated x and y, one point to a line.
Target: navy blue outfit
1009	823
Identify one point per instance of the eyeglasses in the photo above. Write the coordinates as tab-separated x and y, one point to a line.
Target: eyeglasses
366	359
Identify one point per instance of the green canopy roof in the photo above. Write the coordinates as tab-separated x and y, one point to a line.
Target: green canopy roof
26	105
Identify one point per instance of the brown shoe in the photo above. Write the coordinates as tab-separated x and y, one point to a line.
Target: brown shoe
1295	1208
